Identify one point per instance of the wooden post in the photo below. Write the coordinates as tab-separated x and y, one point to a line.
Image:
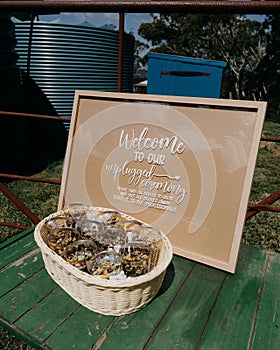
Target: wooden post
120	64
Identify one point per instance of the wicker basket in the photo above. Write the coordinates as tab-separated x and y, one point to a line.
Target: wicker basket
108	297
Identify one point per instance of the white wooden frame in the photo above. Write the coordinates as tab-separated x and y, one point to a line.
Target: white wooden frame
182	164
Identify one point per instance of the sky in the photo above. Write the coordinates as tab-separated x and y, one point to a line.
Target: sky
132	21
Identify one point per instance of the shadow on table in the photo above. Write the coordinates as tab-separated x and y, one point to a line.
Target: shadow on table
168	279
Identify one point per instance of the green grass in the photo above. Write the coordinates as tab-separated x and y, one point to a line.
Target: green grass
9	342
261	230
40	198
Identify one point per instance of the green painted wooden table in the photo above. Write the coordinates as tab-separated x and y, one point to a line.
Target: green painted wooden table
198	307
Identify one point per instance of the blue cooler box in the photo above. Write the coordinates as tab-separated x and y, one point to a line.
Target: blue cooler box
184	76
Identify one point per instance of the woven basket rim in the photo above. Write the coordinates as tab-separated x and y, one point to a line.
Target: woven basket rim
95	280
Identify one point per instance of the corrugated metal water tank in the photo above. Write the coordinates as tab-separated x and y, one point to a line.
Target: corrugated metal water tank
184	76
64	58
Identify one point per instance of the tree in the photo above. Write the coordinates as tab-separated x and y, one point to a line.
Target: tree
235	39
269	69
140	59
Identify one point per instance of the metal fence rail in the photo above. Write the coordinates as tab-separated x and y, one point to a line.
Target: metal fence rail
3	176
226	6
253	209
130	6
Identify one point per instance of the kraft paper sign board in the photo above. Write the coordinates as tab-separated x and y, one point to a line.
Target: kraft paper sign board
184	165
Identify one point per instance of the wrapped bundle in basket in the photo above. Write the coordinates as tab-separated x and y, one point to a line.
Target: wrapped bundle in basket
107	261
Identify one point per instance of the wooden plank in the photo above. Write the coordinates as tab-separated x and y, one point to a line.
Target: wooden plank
20	270
24	337
266	334
183	324
26	295
197	308
16	249
79	331
43	319
133	331
16	237
231	319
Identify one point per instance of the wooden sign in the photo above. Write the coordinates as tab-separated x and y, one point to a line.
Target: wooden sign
183	165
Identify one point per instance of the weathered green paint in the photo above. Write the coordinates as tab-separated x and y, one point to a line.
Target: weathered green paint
134	330
183	324
79	331
16	238
232	317
47	315
26	338
15	303
266	333
19	271
198	307
16	249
